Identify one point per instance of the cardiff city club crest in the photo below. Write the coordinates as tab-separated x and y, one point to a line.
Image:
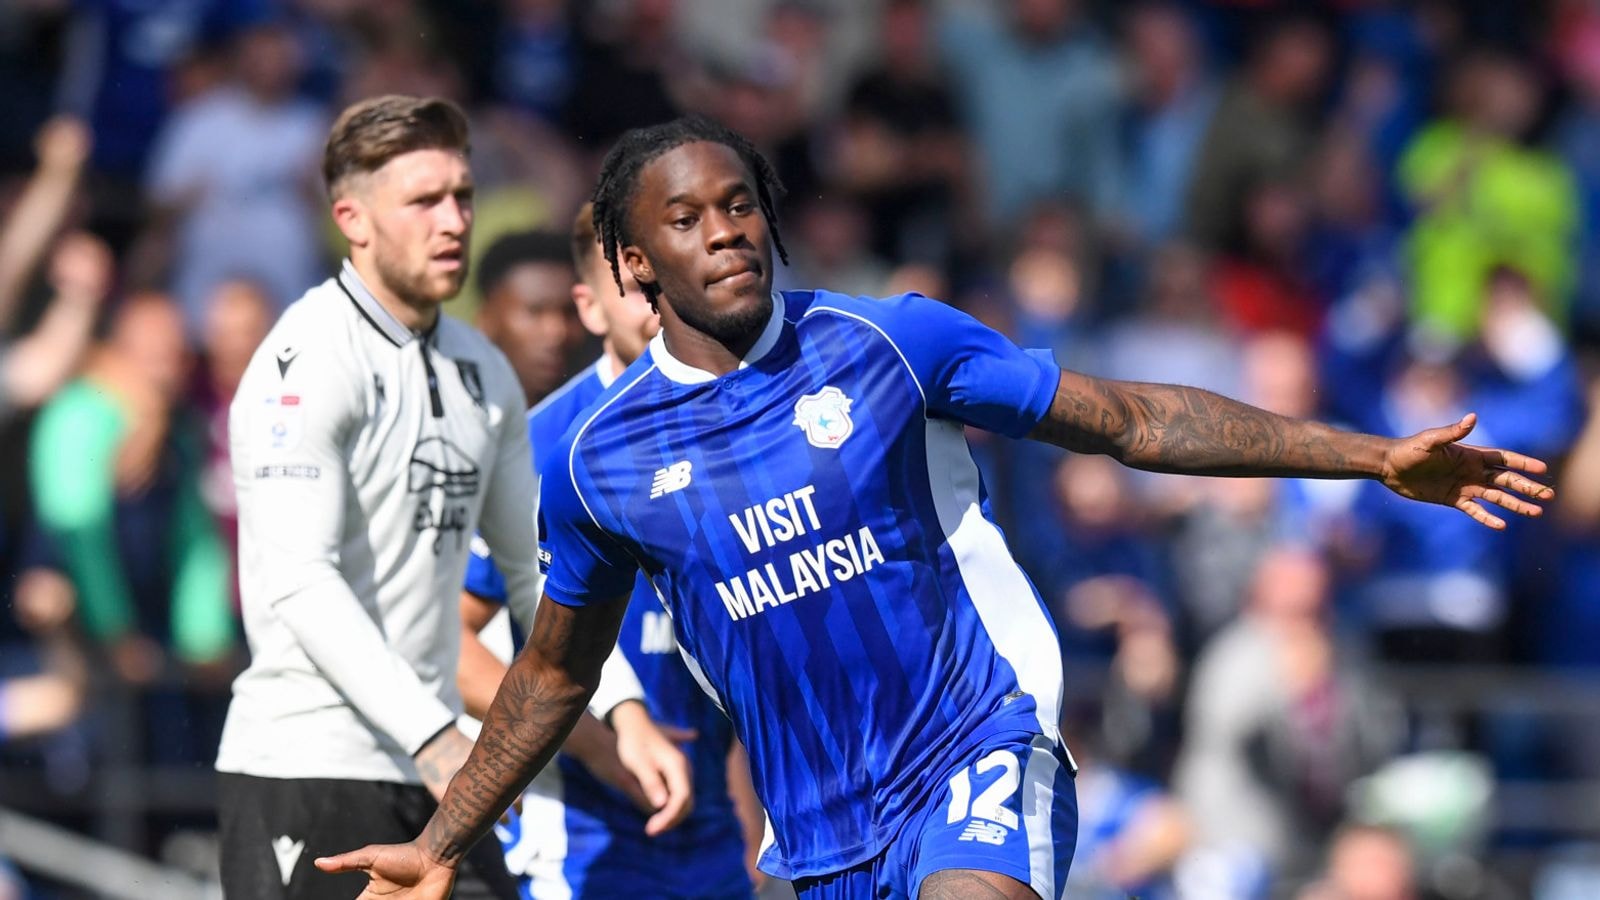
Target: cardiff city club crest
824	417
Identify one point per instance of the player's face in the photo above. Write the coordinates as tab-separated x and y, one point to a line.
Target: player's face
419	208
701	238
529	316
623	318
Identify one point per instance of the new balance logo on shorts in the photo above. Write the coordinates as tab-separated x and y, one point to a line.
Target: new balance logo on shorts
672	478
988	832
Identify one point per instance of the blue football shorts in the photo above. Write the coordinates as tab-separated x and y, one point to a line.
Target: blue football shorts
1010	808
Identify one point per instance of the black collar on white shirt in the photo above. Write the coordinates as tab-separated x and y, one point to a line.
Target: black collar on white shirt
387	325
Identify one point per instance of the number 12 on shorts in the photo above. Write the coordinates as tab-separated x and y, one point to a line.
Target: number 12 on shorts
992	822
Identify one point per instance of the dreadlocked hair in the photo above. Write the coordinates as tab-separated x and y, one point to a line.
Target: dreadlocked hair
637	148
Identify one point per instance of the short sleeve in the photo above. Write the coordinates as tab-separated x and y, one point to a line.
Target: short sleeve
587	564
483	577
968	371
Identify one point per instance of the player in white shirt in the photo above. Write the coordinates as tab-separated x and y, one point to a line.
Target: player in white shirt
370	438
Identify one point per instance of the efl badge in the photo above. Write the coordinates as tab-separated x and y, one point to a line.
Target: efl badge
824	417
281	422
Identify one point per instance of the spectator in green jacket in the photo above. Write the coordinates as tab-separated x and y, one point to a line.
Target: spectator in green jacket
1484	199
115	467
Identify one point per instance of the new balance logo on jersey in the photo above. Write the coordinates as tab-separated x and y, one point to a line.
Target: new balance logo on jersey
672	478
987	832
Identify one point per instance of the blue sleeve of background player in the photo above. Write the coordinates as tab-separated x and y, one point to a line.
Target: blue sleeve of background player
483	579
968	371
587	565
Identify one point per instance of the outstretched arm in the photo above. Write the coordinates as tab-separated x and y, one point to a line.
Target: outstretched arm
1167	428
542	696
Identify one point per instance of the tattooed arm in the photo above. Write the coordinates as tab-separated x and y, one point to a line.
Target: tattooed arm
544	692
1167	428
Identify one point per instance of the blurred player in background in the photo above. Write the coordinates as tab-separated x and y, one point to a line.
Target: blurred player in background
526	279
370	438
575	836
791	473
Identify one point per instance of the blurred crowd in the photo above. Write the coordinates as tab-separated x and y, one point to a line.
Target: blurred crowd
1380	213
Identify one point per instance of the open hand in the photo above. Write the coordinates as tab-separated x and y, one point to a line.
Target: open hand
647	749
1435	467
394	872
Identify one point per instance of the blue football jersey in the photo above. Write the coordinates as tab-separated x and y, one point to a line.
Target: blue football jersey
816	526
547	421
584	838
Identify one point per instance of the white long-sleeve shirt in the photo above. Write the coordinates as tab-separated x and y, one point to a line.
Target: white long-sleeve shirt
364	457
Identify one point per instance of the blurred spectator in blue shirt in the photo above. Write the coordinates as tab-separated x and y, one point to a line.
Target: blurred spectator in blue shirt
1097	558
121	58
1577	140
535	57
236	171
1349	237
1040	93
1437	592
1566	619
1131	830
1103	577
1440	586
1393	54
126	61
1170	104
1524	380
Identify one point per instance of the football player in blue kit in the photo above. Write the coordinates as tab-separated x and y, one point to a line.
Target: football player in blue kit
790	474
576	836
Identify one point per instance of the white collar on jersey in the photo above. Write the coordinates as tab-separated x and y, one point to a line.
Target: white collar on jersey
683	373
607	368
381	318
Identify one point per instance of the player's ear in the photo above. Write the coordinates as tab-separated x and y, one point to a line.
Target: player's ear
638	266
353	218
591	312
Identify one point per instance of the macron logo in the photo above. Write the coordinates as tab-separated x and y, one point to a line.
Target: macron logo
287	850
286	358
672	478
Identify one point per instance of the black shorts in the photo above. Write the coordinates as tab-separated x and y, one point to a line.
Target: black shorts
272	828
